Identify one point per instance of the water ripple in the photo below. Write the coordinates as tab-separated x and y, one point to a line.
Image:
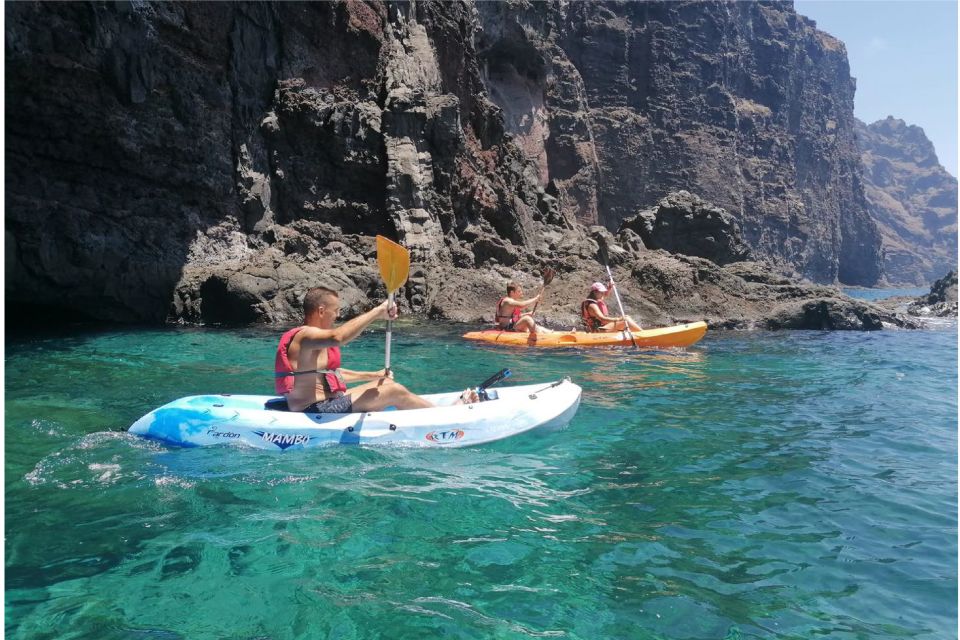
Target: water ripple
762	485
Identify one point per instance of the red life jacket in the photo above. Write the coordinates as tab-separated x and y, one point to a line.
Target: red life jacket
593	324
503	320
284	369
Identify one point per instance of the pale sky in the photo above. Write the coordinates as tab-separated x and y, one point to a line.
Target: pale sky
903	54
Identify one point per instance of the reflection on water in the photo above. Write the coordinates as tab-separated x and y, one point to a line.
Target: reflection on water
612	375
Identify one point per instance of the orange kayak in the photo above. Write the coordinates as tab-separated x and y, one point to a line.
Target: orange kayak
681	335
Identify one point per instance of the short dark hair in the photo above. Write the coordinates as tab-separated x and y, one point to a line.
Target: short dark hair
594	295
511	287
316	298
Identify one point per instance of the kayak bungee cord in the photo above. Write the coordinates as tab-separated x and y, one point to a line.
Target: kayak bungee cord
533	396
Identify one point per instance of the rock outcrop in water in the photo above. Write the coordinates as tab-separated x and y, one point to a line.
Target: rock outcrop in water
941	302
912	198
208	162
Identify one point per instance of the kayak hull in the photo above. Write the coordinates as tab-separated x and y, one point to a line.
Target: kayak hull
240	419
682	335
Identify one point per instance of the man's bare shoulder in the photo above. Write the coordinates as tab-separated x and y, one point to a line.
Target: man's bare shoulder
313	333
316	338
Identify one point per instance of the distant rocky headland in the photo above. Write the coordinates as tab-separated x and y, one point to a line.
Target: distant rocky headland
912	198
209	162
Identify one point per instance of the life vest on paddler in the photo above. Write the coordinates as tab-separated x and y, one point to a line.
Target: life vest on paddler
593	324
284	372
504	320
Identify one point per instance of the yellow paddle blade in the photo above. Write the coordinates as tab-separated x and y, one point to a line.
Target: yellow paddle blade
394	263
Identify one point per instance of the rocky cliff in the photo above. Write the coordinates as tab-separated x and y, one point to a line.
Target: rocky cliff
746	104
209	161
912	198
152	148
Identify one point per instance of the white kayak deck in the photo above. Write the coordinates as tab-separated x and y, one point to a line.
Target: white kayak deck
242	419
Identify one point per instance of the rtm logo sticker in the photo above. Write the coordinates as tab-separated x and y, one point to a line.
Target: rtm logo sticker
443	437
283	440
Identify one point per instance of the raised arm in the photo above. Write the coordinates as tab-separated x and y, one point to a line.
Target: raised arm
316	338
522	303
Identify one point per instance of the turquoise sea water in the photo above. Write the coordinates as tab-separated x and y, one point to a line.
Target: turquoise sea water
757	485
877	294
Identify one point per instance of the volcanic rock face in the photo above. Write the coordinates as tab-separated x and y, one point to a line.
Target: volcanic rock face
209	162
151	146
745	104
912	198
683	223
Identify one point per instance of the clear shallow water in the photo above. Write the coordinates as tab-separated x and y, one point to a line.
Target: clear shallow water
879	294
758	485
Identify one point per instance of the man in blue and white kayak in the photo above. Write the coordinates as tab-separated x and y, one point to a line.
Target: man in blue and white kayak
308	368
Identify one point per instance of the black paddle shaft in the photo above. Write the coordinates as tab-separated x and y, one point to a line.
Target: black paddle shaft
548	275
492	380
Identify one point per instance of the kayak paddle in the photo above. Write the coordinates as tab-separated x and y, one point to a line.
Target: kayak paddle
489	382
626	327
394	262
548	275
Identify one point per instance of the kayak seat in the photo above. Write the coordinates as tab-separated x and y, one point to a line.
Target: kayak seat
276	404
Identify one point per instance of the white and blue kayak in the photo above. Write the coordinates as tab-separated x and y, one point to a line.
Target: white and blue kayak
241	419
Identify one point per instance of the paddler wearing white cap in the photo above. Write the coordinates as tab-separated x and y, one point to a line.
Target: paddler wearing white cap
595	316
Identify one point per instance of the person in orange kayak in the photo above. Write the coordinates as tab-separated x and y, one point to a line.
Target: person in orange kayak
307	364
510	315
594	312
